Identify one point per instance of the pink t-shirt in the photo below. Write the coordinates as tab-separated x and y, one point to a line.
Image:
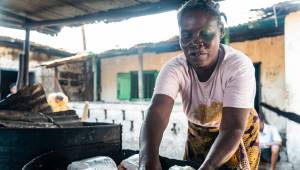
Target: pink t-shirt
232	84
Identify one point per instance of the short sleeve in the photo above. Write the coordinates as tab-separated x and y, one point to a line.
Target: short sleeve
275	135
240	87
168	80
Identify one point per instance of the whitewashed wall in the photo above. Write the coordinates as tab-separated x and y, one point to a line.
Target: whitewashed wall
292	60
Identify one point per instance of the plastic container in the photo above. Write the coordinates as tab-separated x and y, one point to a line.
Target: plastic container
181	168
95	163
132	163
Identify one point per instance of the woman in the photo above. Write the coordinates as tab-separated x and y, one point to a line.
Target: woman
217	86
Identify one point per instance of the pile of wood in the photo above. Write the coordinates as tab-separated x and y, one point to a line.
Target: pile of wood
28	108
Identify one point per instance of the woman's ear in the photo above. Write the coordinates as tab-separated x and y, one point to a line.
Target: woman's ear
223	22
222	31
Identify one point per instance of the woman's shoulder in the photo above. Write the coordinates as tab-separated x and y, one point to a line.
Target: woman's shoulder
234	58
178	62
179	59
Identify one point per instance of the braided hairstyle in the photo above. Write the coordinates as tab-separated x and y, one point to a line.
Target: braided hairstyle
208	6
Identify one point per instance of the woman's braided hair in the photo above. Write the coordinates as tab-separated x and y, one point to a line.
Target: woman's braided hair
205	5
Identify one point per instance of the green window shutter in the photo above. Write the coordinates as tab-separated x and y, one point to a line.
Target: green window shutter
134	85
149	83
124	86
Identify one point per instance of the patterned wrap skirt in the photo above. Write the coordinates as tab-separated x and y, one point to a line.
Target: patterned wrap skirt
200	140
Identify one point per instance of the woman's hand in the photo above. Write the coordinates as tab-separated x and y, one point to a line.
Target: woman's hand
206	167
151	165
121	166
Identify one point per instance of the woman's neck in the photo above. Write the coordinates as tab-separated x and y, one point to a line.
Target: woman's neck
205	73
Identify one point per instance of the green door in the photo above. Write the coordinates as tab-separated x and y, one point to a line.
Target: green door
124	86
134	85
149	83
149	77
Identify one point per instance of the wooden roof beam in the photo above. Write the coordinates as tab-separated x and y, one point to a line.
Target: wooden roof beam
15	16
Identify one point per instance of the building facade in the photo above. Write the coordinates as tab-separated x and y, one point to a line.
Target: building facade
10	49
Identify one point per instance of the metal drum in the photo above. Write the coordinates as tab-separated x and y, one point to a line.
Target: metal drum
20	145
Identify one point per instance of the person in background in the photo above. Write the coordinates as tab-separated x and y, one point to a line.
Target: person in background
58	102
12	89
269	142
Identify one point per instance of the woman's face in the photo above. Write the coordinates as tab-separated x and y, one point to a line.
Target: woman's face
200	38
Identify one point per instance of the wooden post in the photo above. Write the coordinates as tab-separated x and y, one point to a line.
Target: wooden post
83	37
56	82
23	74
86	112
124	116
105	114
131	125
140	74
95	78
88	78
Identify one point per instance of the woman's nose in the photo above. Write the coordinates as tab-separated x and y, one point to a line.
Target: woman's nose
197	41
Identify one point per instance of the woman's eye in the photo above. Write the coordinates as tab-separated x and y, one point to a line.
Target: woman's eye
186	36
207	35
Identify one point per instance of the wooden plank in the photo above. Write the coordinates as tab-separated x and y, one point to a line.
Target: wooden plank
30	99
22	124
73	59
29	108
26	119
21	116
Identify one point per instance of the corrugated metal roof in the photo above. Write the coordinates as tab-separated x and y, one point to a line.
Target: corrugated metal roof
269	22
17	43
263	27
47	16
72	59
277	10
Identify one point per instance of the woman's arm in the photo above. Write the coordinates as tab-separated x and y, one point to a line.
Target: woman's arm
152	131
232	127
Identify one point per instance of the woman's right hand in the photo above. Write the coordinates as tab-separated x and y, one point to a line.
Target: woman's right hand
150	165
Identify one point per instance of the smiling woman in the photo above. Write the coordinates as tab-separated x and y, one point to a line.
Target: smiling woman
217	86
200	36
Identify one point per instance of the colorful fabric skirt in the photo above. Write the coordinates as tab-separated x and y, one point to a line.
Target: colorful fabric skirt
200	140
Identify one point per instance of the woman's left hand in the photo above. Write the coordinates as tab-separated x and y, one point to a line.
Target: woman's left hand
207	167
